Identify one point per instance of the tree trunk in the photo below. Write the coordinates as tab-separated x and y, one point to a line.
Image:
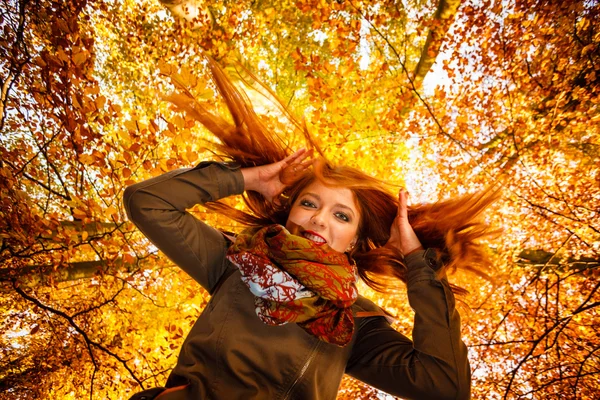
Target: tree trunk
545	258
194	11
442	19
36	275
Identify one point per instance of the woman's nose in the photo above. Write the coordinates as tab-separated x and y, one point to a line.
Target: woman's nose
316	219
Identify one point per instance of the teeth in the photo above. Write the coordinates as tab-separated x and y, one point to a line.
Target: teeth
314	238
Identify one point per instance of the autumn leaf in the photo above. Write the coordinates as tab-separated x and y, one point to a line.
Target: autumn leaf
441	97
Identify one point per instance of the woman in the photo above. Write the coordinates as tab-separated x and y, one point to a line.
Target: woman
285	320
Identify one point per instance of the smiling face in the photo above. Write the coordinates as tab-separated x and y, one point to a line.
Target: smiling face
325	215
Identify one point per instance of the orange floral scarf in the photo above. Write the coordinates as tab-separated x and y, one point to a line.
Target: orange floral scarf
295	280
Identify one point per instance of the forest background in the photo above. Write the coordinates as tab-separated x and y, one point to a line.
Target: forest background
443	96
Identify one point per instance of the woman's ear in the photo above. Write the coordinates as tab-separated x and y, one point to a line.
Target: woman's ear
352	244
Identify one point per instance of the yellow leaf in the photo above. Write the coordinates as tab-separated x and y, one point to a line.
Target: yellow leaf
78	213
100	101
80	58
128	258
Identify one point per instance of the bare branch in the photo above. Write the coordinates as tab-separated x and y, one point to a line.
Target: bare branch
89	341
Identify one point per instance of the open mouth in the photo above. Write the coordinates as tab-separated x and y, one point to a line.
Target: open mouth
314	237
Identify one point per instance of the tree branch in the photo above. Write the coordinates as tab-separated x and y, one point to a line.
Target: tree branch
88	341
442	19
36	275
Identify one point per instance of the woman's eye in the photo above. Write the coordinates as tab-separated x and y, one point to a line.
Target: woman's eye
342	216
307	203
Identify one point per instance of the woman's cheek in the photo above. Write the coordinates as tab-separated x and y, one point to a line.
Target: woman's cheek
292	224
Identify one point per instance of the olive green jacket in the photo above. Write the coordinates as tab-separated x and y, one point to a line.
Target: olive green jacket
230	354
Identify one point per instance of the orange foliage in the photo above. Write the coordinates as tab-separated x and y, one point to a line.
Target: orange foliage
91	310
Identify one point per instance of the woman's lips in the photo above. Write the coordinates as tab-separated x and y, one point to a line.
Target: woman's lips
314	237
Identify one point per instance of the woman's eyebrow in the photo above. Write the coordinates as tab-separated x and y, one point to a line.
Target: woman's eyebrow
316	196
345	207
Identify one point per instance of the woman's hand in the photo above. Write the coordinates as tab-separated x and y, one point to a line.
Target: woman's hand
271	179
402	235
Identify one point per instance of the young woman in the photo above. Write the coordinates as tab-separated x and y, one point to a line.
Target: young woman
285	320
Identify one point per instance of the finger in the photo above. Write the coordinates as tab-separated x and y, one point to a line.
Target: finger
304	156
307	163
300	164
402	201
292	158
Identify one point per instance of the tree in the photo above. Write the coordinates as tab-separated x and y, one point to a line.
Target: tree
91	309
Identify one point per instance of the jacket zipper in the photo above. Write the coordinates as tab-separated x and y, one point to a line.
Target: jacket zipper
303	370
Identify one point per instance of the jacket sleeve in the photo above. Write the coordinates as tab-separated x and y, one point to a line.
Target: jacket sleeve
432	366
158	207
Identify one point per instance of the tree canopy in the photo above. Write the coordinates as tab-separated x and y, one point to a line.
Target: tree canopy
442	96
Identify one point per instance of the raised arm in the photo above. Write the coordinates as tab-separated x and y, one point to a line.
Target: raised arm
435	365
158	207
432	366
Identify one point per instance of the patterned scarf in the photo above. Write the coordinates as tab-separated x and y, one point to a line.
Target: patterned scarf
296	280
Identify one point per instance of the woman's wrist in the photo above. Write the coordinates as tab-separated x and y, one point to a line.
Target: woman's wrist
250	178
414	250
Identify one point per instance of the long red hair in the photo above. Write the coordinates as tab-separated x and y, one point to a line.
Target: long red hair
454	225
